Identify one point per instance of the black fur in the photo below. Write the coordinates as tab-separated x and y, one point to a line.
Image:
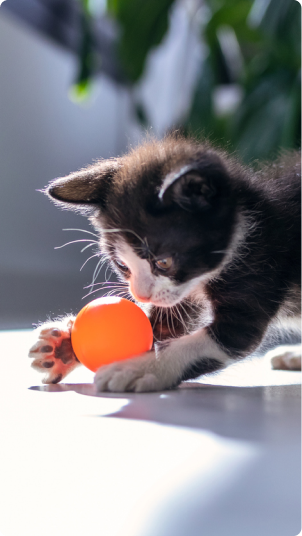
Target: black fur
186	200
199	367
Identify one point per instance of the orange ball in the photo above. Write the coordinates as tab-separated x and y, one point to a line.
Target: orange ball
110	329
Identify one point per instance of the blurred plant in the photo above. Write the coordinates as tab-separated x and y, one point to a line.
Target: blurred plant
82	87
248	90
254	49
143	24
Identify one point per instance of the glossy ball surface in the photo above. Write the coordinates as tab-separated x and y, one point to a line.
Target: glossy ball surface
110	329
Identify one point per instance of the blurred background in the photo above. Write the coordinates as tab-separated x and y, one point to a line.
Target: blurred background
84	79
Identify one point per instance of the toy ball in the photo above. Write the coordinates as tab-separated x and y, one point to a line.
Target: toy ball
110	329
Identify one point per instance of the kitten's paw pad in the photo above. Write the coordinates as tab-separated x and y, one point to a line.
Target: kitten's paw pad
134	375
287	358
52	352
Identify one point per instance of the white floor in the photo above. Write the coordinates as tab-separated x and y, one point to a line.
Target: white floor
220	456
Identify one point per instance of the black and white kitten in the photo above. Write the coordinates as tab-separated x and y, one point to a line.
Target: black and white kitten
211	248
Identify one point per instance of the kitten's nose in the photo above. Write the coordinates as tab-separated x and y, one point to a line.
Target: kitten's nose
139	297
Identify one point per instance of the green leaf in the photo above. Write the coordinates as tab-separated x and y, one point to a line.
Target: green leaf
143	24
266	121
81	91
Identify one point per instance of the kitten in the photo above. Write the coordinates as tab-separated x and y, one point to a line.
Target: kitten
211	249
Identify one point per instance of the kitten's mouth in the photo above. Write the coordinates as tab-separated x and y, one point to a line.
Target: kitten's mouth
142	300
156	302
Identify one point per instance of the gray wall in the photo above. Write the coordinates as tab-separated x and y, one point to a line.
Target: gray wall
44	135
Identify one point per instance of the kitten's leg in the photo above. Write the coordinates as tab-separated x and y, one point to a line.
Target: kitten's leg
286	357
52	352
165	367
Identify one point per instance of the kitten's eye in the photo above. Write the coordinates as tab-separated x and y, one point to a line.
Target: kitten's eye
122	265
164	264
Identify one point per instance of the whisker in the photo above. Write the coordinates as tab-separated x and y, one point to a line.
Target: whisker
172	322
118	294
82	231
108	284
89	294
75	241
157	315
110	293
111	283
194	306
189	321
115	290
155	322
168	322
122	293
175	316
93	292
123	231
144	241
180	317
107	268
183	308
92	256
167	318
97	271
88	246
174	313
161	316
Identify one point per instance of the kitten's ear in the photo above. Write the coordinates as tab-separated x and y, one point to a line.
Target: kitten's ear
187	187
85	187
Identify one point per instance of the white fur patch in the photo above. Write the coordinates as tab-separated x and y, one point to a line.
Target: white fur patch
141	280
157	371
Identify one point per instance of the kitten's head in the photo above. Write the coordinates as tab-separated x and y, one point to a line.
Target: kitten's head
165	212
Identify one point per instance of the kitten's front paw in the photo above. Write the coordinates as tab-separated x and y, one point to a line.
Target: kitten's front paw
139	374
286	358
52	352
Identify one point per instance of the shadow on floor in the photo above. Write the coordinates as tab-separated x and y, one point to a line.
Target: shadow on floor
271	413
